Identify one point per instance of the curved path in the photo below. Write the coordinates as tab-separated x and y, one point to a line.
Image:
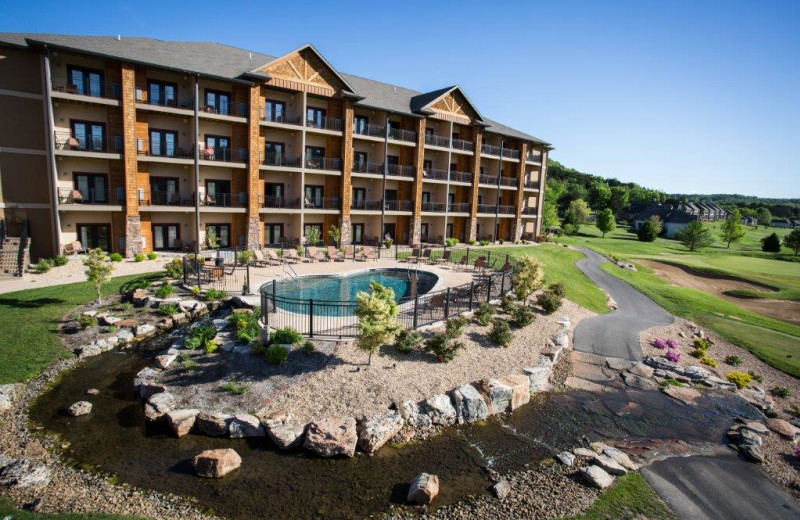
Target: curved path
616	334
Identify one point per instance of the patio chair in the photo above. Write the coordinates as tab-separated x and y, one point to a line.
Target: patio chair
291	254
259	260
316	255
349	252
73	248
426	255
75	197
334	254
414	256
275	259
480	263
444	258
463	262
369	253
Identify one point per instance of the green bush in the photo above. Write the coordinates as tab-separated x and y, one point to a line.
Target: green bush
708	361
670	382
138	257
507	303
164	291
483	314
701	343
558	289
198	336
175	268
755	376
286	336
308	347
87	321
444	348
233	388
472	241
771	244
210	346
245	256
455	326
522	316
152	255
126	306
189	364
733	361
781	391
484	242
169	309
214	295
60	260
740	379
247	328
196	291
698	353
44	265
451	242
648	231
115	257
407	341
277	354
548	301
500	333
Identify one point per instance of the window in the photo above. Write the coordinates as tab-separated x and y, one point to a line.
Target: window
390	195
392	160
273	234
222	232
423	232
163	143
91	137
162	93
315	117
315	156
275	111
427	165
426	196
218	102
392	125
360	161
218	193
218	148
85	82
92	187
389	230
359	198
449	231
360	124
313	196
274	152
308	227
453	167
273	195
357	235
94	236
166	236
455	135
430	131
164	191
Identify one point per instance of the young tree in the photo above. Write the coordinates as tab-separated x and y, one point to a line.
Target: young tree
606	222
792	241
695	235
549	214
732	228
376	311
577	214
98	270
528	277
764	217
212	239
650	229
771	244
313	236
335	233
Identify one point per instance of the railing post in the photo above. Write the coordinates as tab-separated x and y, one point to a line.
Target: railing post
197	270
416	307
488	258
310	318
471	293
183	262
248	280
447	304
274	288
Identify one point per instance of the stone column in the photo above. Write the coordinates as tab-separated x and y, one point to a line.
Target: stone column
130	162
346	194
477	137
537	226
419	162
254	160
519	226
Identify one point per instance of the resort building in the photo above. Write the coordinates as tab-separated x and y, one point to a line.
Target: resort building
137	144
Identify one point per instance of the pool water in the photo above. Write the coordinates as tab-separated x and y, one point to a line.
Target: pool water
345	288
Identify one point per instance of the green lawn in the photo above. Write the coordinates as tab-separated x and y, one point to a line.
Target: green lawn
7	510
29	321
628	499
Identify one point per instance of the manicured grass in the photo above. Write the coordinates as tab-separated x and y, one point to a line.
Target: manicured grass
7	510
629	498
29	322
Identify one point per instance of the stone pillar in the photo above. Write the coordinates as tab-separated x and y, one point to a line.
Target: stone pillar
520	197
254	160
130	162
416	230
473	229
346	194
346	226
419	162
477	137
519	229
133	235
537	225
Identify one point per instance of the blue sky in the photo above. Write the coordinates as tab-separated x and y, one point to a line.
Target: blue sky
683	96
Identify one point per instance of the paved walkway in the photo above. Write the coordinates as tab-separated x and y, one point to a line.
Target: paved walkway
616	334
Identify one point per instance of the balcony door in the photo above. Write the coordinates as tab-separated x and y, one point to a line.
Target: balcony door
274	153
85	82
164	191
357	236
166	236
360	124
360	161
359	198
163	143
218	102
423	231
93	188
94	236
315	117
91	137
221	147
273	195
273	234
275	111
315	156
162	94
313	196
449	230
390	231
222	232
218	193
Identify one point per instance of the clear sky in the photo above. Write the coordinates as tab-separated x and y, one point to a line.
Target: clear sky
682	96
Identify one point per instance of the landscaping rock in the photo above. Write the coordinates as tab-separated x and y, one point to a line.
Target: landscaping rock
212	424
621	458
245	425
24	473
139	297
469	404
125	336
144	375
561	339
423	489
597	477
620	364
164	361
501	489
242	350
182	421
697	372
86	351
331	437
216	463
520	390
663	363
539	378
93	391
414	416
566	458
441	410
784	429
749	438
497	395
111	320
641	370
148	389
752	453
79	408
145	330
283	430
759	398
609	465
376	430
639	382
681	393
757	427
158	405
584	452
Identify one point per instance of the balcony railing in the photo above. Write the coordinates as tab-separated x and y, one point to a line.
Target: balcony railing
529	211
460	144
323	163
433	206
285	118
532	184
105	144
458	207
533	157
326	123
225	200
169	199
434	173
398	205
402	135
237	109
91	196
323	203
401	170
368	167
511	153
286	161
486	208
456	176
506	209
370	129
437	140
224	154
488	179
280	202
145	148
97	89
509	181
490	150
366	204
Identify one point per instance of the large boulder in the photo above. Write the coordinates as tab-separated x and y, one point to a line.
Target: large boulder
148	389
639	382
414	416
441	410
24	473
158	405
539	378
216	463
621	458
753	453
145	330
283	430
423	489
331	437
165	360
212	424
79	408
139	297
609	465
182	421
376	430
520	390
245	425
784	428
501	489
145	374
469	404
682	393
497	395
566	458
597	477
87	351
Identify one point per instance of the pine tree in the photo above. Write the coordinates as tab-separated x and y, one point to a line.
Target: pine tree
771	244
695	235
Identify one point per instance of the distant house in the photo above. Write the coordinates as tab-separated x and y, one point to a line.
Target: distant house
795	222
633	209
782	223
672	218
750	221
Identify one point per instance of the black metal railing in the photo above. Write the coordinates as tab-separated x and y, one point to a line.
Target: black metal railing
96	89
488	179
398	205
146	148
323	163
433	206
91	196
282	160
366	204
399	134
236	108
370	130
323	203
105	144
511	153
434	173
460	144
437	140
224	200
368	167
509	181
529	211
506	209
224	154
533	158
401	170
490	150
285	118
458	207
486	208
532	184
160	198
325	123
456	176
280	202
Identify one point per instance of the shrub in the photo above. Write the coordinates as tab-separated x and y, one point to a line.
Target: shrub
781	391
483	315
527	278
169	309
558	289
286	336
138	257
660	343
247	328
733	361
708	361
245	257
740	379
87	321
522	316
698	353
164	291
507	303
500	333
648	231
233	388
455	326
756	377
484	242
570	229
152	255
672	356
670	382
376	311
444	348
771	244
196	291
210	346
408	341
60	260
214	295
308	347
198	336
189	364
126	306
115	257
175	268
700	343
548	301
44	265
472	241
277	354
451	242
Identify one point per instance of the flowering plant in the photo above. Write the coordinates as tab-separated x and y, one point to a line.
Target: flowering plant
797	450
673	356
671	343
660	343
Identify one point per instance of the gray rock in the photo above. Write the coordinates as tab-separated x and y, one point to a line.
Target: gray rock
539	378
696	373
165	360
146	374
621	458
148	389
584	452
216	463
597	477
414	416
331	437
212	424
609	465
11	390
24	473
90	314
5	461
566	458
441	410
753	453
245	425
423	489
79	408
158	405
86	351
469	404
501	489
561	339
757	427
112	341
125	335
182	421
5	404
242	350
639	382
784	428
145	330
111	320
376	430
619	364
641	370
663	363
283	430
496	394
93	391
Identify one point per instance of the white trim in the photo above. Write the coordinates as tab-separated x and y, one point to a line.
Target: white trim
19	93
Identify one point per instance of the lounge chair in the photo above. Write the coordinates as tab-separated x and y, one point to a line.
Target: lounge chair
334	254
463	262
426	255
480	263
263	261
291	254
444	258
369	253
349	252
414	257
275	259
316	255
73	248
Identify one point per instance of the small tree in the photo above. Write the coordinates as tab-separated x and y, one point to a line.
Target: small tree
376	311
764	217
695	235
211	238
650	229
98	270
335	233
313	236
549	214
528	277
606	221
792	241
577	214
771	244
733	229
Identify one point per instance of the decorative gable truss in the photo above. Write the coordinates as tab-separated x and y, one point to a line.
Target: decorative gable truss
449	104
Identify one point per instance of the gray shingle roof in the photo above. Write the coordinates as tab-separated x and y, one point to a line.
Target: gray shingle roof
231	63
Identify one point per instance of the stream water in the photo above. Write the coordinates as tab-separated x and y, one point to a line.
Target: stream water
270	484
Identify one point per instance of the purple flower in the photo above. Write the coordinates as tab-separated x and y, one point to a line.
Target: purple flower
671	343
673	356
660	343
797	451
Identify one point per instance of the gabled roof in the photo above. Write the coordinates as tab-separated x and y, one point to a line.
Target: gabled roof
422	102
